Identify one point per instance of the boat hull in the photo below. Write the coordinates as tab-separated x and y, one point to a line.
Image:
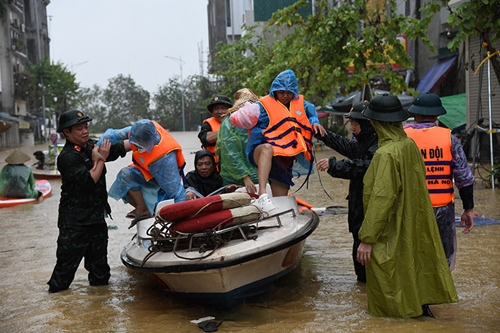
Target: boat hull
45	174
230	284
240	269
40	185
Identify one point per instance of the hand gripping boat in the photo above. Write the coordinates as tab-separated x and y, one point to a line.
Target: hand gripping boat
220	249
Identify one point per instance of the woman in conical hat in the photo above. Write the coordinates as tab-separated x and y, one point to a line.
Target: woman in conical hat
16	179
17	157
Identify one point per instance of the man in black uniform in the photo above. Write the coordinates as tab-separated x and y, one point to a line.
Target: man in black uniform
83	232
359	152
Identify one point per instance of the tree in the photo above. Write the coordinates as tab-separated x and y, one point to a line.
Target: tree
236	65
51	81
199	92
168	102
125	102
344	47
90	103
472	18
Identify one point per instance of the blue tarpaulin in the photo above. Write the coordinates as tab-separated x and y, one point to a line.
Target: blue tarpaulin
436	75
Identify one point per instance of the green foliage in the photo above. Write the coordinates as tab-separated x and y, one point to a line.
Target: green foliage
122	103
199	91
495	172
168	105
320	49
125	102
167	102
90	103
472	18
51	80
118	105
234	68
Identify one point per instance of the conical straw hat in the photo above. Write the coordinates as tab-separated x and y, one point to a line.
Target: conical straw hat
17	157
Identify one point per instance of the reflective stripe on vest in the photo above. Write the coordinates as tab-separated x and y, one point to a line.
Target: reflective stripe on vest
166	145
289	132
435	145
215	125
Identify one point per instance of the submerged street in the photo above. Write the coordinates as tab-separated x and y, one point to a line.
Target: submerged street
321	295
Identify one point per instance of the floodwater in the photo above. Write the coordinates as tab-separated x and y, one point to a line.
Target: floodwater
321	295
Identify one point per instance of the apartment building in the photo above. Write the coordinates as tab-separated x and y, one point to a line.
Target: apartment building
24	38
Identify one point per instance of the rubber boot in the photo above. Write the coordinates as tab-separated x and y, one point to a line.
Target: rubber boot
426	311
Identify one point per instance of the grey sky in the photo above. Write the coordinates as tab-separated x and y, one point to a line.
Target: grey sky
100	39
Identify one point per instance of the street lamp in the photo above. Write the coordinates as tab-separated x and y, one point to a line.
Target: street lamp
78	64
179	60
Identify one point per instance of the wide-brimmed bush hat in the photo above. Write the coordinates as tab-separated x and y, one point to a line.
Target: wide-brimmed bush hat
385	108
355	112
219	99
70	118
427	104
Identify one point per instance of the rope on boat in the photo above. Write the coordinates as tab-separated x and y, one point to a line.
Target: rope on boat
320	181
217	242
163	240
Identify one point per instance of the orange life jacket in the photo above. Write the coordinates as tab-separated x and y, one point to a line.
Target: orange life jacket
166	145
289	132
435	145
215	125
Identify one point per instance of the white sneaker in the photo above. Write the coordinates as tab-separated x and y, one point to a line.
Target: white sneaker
265	204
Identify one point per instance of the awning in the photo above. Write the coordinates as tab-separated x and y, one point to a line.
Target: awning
8	117
4	125
456	109
436	75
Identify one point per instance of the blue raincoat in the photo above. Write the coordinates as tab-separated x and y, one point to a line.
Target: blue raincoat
164	185
285	80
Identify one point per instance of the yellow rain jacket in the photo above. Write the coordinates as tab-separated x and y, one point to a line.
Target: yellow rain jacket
408	267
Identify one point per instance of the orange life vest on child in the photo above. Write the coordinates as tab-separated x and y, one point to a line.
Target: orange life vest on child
289	131
435	145
166	145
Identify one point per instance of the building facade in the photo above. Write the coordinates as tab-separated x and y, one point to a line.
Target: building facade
24	39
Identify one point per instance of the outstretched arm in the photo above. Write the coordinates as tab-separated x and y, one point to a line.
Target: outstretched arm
99	156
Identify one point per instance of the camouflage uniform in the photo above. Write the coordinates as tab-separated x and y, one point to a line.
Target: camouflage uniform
83	206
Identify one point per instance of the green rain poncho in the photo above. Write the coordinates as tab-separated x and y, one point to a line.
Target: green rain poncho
231	149
408	267
17	181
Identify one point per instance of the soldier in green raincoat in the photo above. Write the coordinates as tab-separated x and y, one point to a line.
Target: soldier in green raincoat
406	268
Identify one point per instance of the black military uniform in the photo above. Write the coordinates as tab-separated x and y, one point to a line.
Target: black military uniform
359	153
83	206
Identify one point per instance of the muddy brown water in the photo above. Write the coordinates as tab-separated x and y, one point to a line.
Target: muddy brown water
320	295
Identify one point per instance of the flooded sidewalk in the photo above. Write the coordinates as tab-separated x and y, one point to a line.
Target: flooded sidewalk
320	295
